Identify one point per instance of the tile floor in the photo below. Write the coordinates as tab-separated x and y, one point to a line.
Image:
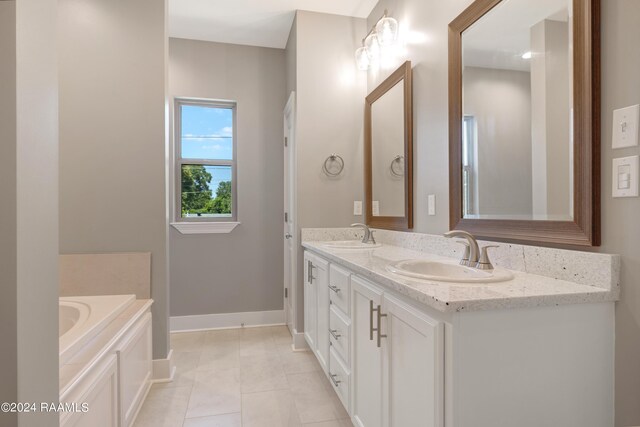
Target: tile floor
242	377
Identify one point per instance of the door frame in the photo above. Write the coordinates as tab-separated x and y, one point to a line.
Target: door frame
290	206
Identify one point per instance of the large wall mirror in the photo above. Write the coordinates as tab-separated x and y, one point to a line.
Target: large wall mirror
389	152
524	120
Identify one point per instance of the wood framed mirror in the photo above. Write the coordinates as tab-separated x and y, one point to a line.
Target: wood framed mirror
388	152
524	121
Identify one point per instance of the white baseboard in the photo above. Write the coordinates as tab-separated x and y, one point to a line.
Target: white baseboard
299	343
226	320
163	369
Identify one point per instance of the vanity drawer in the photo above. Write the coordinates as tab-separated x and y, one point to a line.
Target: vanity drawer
339	287
340	378
339	328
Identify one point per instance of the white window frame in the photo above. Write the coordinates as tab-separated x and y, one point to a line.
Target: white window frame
197	225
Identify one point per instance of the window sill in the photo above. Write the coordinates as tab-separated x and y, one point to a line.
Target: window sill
205	227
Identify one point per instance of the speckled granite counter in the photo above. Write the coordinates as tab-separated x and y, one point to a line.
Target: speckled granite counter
542	276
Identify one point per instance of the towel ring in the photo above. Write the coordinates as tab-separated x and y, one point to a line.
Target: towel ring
333	159
397	160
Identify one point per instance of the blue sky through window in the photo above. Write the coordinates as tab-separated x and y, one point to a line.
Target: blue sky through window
219	174
207	132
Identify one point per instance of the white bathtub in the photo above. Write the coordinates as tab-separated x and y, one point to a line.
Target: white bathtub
82	318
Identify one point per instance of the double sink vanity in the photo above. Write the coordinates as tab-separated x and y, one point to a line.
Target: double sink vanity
408	336
418	330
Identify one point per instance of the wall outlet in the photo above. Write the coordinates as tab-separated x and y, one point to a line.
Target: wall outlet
375	207
357	207
625	127
431	204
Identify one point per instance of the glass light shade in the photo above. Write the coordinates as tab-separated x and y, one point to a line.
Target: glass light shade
372	46
387	31
362	58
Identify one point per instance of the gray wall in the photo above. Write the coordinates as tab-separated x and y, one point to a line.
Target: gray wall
330	110
503	153
551	109
620	225
8	212
112	136
241	271
620	88
29	212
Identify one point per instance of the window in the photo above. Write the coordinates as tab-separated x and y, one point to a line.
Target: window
205	135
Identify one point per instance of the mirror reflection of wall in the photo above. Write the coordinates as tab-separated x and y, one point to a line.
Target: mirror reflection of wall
517	112
387	140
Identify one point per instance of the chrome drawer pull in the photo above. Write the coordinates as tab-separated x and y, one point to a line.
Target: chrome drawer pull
334	333
379	328
371	328
334	380
334	288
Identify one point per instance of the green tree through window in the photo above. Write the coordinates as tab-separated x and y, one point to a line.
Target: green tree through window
197	195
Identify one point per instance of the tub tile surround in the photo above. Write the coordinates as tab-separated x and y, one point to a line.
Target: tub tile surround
106	274
543	276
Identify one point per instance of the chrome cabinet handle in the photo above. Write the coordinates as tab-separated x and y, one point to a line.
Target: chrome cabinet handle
379	328
310	267
334	380
334	288
371	328
334	333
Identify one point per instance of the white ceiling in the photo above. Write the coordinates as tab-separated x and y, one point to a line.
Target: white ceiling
499	38
251	22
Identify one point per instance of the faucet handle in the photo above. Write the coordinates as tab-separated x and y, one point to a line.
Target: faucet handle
484	263
467	251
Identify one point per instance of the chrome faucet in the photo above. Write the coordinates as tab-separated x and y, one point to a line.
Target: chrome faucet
473	256
472	247
368	234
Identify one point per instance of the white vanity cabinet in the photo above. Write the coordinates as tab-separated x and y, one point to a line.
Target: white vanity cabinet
398	355
316	307
366	355
395	361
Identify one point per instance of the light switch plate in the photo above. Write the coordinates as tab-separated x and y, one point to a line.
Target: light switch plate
375	207
625	127
625	177
357	207
431	204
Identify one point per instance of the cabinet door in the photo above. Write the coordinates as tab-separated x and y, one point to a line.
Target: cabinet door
366	356
413	366
310	302
321	282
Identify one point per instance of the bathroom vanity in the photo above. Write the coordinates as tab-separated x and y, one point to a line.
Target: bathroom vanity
535	350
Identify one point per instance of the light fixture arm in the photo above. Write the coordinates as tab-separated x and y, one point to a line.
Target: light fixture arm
373	28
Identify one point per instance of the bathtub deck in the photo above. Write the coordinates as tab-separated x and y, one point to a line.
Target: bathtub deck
102	343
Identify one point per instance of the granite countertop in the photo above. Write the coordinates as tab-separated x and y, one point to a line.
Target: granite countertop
524	290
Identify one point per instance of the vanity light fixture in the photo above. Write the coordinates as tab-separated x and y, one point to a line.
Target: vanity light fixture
383	34
372	46
526	55
362	58
387	30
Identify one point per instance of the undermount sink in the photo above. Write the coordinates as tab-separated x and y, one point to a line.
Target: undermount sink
351	244
445	272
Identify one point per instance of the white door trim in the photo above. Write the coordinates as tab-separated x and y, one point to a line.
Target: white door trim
290	133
